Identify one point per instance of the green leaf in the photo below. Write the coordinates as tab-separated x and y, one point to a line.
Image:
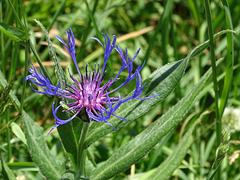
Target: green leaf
49	166
163	80
18	132
162	26
69	134
22	166
137	148
230	61
14	33
168	166
5	171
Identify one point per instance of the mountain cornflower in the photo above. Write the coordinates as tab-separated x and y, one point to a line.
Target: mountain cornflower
88	93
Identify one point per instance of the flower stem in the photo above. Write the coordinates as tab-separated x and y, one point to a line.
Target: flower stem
81	156
215	83
90	157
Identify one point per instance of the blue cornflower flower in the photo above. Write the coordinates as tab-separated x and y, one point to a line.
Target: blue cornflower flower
88	93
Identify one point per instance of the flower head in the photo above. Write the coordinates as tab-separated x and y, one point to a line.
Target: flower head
231	119
88	92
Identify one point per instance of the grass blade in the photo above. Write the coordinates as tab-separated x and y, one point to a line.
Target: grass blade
230	60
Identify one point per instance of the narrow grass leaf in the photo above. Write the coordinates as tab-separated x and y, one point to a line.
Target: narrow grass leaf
158	150
165	25
5	171
230	60
14	33
93	20
22	166
194	9
214	79
167	167
163	20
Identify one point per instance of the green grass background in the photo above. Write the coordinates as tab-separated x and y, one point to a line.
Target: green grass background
165	33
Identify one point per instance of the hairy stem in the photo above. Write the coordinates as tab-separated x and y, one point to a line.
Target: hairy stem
81	156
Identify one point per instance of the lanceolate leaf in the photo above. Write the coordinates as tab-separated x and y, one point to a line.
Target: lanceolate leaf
5	171
41	155
18	132
163	80
137	148
167	167
49	166
14	33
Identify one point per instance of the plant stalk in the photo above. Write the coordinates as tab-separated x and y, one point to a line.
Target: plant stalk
25	74
214	72
81	152
230	60
3	60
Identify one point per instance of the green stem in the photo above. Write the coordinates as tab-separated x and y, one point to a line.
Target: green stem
162	21
230	61
3	63
56	14
86	33
53	21
81	156
25	74
90	158
214	69
14	59
8	136
90	13
22	10
16	15
215	83
39	61
7	125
